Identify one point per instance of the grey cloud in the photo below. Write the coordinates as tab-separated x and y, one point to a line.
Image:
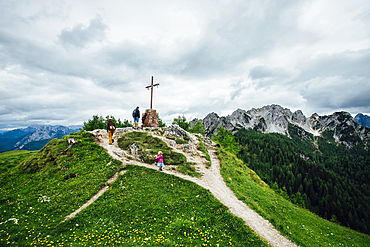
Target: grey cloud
262	72
347	64
44	110
339	93
37	58
29	54
80	36
237	89
223	46
337	81
44	116
234	38
203	61
132	55
361	100
237	35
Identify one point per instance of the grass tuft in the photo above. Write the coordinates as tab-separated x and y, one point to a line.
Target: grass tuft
203	148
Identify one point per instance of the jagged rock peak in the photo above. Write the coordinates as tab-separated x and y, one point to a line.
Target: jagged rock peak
276	119
362	120
270	118
298	117
240	116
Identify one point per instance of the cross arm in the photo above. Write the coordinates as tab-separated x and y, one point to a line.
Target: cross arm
157	84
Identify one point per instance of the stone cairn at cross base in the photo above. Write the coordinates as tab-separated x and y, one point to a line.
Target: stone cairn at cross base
151	119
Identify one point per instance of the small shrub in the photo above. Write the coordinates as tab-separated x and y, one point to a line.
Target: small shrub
180	141
181	121
198	127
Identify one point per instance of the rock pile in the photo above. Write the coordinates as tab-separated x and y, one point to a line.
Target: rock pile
177	131
151	118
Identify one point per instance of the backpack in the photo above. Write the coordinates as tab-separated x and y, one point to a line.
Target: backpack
134	113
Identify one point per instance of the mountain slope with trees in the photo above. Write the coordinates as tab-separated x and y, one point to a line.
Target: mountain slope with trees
330	180
321	162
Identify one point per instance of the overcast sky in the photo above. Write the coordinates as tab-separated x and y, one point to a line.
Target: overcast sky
61	62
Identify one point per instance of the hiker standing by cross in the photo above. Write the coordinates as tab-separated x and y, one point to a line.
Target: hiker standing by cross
151	97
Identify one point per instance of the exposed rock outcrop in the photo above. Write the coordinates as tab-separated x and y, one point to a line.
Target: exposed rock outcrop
177	131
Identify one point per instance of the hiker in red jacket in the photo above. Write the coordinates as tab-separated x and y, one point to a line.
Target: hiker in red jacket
111	128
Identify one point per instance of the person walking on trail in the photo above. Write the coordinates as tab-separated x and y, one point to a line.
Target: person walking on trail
136	115
160	160
111	128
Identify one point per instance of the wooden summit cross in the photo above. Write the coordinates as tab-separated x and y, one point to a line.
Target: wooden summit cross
151	96
150	118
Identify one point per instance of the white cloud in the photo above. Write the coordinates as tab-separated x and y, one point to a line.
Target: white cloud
67	60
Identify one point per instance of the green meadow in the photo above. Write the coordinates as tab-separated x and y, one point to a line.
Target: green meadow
9	160
147	208
142	207
37	194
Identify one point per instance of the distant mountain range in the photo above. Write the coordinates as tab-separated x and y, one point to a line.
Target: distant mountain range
34	137
276	119
268	119
362	120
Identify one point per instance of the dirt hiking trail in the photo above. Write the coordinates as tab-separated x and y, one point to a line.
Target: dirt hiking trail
211	179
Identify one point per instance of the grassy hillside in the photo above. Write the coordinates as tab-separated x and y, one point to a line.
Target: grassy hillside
299	225
11	159
142	207
37	194
148	208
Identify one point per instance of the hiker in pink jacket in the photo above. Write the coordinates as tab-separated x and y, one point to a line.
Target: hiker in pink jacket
160	160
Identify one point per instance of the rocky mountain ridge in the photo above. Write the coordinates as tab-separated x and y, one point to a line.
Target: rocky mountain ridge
276	119
18	138
362	120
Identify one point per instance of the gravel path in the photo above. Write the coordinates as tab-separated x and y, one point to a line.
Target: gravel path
211	179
